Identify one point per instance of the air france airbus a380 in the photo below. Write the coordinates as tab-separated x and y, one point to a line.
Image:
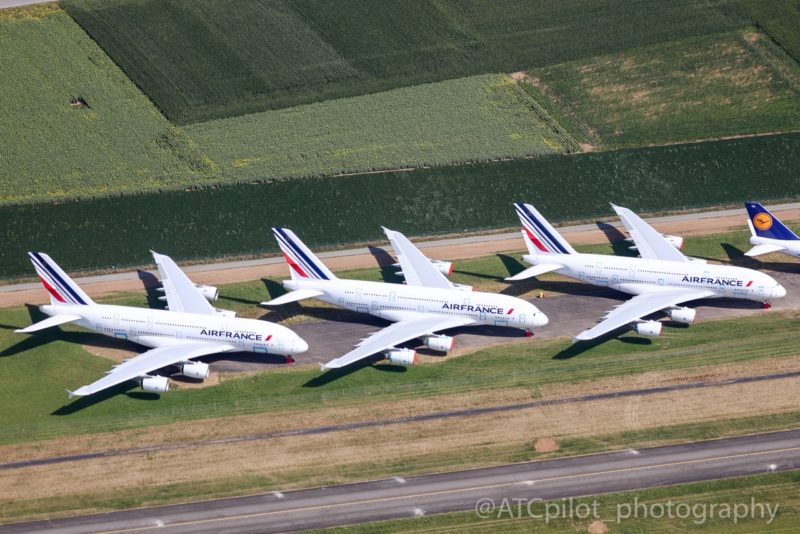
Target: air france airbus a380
189	329
657	284
425	304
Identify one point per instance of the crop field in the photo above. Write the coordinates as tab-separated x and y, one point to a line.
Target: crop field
73	123
470	119
233	221
778	18
722	85
215	59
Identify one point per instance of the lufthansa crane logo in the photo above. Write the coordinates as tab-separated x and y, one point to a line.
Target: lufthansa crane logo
762	221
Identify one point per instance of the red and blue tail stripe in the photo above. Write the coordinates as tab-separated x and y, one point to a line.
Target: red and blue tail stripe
302	262
541	233
61	287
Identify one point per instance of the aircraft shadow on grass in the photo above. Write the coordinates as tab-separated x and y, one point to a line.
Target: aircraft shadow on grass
616	239
385	261
151	286
128	388
579	347
335	374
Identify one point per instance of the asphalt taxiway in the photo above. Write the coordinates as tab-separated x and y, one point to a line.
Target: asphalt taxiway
400	497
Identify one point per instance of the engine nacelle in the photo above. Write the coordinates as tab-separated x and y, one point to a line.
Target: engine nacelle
210	293
682	315
674	240
444	267
439	343
155	384
197	370
648	328
401	356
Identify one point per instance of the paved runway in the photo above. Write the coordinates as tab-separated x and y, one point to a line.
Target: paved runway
459	490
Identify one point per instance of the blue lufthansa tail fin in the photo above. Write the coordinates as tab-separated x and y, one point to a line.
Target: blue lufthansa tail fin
765	224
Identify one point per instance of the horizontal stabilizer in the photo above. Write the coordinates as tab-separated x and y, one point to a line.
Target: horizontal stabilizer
48	323
293	296
758	250
536	270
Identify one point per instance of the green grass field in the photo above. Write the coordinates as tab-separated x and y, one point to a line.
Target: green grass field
721	85
206	60
118	143
469	119
234	221
779	19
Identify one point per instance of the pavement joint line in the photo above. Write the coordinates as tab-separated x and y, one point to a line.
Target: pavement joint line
396	421
460	490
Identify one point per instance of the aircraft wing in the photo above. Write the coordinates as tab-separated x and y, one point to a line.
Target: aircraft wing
395	334
150	361
640	306
649	242
182	295
417	269
758	250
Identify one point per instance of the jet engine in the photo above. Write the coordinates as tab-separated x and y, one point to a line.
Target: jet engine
444	267
401	356
155	384
682	315
209	292
648	328
439	343
674	240
197	370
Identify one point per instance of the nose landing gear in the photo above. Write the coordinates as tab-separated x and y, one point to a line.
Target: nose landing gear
528	333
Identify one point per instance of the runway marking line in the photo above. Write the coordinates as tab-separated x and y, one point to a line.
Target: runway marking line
444	492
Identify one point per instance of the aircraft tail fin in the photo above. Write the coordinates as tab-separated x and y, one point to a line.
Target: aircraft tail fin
542	237
765	224
303	264
62	289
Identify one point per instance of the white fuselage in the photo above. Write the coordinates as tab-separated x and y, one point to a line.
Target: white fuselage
395	302
158	328
636	275
792	247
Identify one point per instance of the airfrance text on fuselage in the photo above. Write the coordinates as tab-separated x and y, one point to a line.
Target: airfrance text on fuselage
232	335
477	309
716	281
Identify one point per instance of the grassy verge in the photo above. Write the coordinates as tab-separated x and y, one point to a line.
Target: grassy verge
440	460
776	489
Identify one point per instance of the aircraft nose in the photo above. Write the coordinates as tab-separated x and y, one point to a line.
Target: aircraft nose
540	319
299	345
779	292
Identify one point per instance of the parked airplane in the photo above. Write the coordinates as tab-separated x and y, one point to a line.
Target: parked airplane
190	329
651	244
768	233
657	285
427	303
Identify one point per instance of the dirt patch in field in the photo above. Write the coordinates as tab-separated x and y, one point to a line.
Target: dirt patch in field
114	354
597	527
545	445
